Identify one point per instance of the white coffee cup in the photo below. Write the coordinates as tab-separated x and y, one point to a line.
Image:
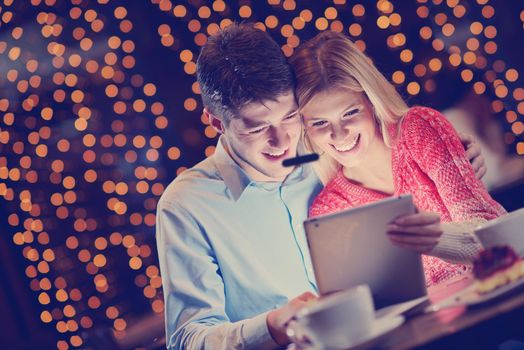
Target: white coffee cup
340	319
504	230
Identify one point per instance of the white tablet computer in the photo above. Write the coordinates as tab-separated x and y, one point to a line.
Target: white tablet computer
351	247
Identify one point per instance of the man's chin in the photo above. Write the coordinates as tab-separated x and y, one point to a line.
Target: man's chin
278	174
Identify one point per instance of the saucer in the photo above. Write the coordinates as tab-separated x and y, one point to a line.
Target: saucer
380	328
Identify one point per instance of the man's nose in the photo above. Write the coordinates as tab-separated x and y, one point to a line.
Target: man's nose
278	137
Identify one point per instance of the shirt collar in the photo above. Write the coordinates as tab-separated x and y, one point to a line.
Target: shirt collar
234	177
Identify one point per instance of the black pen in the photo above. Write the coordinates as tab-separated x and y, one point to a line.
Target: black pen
306	158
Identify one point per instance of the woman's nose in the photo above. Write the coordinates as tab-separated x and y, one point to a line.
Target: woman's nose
339	133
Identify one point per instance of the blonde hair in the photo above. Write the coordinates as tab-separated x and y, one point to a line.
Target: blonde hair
330	60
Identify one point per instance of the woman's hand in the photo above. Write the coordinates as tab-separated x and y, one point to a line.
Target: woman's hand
419	232
474	154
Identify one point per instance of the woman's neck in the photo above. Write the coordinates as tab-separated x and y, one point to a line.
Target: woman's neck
376	171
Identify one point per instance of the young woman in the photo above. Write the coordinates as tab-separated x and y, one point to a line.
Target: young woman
373	146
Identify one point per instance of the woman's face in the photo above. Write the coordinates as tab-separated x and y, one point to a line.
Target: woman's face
340	123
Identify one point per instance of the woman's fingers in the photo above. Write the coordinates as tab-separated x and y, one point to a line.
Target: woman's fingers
413	240
421	230
422	218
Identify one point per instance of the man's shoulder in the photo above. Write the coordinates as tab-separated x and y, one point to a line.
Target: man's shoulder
191	183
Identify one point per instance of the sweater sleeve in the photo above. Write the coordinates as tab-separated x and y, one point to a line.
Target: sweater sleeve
458	244
435	147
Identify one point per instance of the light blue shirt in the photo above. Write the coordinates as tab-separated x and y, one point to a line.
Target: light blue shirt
231	249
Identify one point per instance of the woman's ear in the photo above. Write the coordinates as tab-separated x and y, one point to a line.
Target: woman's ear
214	121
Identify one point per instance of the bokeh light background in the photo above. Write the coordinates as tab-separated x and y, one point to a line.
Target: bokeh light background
99	111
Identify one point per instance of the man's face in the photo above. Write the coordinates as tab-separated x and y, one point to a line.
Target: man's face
264	134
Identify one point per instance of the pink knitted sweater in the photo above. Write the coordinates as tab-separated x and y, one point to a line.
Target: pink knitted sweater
428	161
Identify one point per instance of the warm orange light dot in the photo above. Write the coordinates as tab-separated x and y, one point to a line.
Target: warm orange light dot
359	10
120	12
517	128
355	29
321	23
512	75
419	70
120	324
43	298
135	263
501	91
490	32
86	44
190	104
435	64
245	11
423	11
173	153
186	56
219	6
490	47
306	15
479	87
413	88
298	23
158	306
139	105
520	148
383	22
438	44
467	75
190	68
395	19
99	260
476	28
61	295
286	30
180	11
330	13
448	29
398	77
46	317
406	55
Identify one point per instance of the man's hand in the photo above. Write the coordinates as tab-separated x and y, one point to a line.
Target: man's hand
419	232
278	319
474	154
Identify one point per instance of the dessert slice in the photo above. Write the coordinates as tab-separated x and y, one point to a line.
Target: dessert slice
495	267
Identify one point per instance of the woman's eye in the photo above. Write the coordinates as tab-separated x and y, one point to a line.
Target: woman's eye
352	112
319	123
292	116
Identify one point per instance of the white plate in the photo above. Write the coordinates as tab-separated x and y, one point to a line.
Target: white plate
470	296
381	327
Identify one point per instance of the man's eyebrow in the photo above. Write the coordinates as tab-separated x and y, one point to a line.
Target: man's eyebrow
253	124
292	111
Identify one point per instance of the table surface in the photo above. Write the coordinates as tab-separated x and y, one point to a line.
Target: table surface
460	324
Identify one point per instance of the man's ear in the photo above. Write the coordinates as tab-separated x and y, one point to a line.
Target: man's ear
214	121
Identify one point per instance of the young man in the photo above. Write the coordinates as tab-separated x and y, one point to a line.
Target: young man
233	255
